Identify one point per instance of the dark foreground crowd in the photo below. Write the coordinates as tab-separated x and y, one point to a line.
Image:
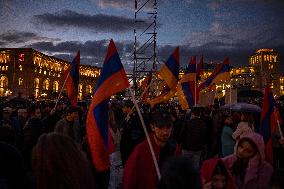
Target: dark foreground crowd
42	147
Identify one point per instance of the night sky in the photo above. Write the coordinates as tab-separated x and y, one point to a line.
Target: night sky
216	29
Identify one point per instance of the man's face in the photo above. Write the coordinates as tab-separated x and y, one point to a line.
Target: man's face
162	133
38	113
75	116
23	113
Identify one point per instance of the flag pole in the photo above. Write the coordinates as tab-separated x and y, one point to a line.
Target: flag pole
146	133
61	90
280	131
195	84
145	90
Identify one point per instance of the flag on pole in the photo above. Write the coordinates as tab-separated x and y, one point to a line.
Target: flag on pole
170	74
145	86
220	73
186	86
113	79
269	117
72	80
170	70
199	70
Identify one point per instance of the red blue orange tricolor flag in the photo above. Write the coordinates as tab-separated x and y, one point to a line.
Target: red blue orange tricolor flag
186	86
199	70
169	72
72	80
220	73
112	80
269	117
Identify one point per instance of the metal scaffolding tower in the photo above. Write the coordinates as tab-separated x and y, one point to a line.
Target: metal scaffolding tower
145	46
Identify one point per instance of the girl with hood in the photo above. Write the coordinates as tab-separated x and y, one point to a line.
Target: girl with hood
247	165
215	175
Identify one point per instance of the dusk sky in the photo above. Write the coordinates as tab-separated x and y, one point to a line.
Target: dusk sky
216	29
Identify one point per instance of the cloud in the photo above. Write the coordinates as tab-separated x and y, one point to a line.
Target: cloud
129	4
92	52
95	23
14	37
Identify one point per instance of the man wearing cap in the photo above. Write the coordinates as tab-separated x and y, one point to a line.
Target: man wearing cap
140	172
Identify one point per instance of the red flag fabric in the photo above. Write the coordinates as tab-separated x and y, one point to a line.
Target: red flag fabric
72	80
269	117
113	79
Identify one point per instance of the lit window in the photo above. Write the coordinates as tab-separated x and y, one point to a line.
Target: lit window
36	83
89	89
20	81
55	86
44	72
3	82
46	84
3	68
6	67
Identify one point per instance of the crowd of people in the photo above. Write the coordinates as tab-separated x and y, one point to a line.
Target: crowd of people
45	146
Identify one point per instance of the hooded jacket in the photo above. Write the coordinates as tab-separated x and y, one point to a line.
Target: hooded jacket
207	169
258	171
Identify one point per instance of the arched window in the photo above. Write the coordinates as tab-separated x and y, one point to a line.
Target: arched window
80	91
3	85
89	89
55	86
36	83
3	82
46	84
21	81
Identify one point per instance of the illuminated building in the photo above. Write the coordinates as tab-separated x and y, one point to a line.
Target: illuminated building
31	73
281	85
266	63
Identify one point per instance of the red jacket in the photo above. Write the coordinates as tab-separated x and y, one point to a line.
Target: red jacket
139	171
207	170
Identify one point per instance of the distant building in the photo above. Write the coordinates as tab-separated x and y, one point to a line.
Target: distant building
32	73
266	63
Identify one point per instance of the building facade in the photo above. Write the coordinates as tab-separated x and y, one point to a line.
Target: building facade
34	74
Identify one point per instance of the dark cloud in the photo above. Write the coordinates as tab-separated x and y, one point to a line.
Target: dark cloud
92	52
97	23
20	37
122	4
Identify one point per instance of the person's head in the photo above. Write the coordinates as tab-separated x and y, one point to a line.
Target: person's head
72	113
220	176
161	124
207	111
244	117
23	113
7	111
179	173
127	106
34	112
246	149
58	163
228	120
195	112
